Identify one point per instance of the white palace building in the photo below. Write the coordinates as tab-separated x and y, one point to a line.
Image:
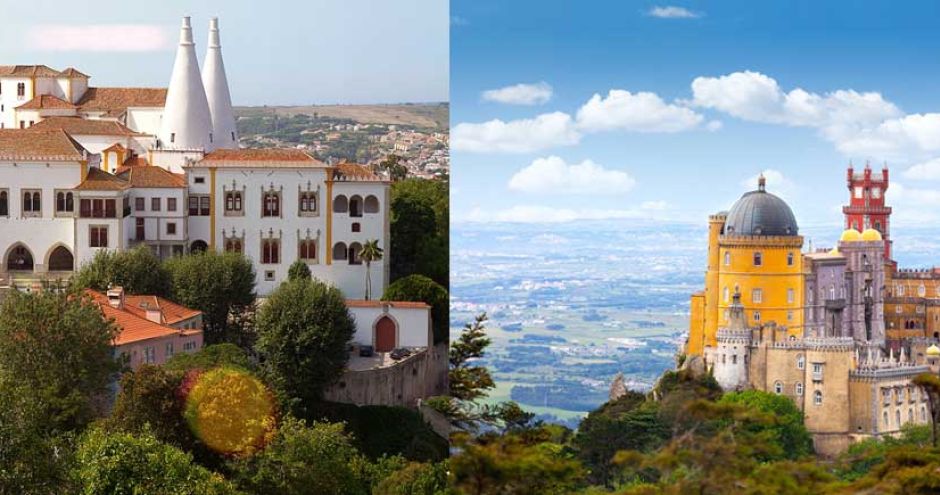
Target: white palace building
86	168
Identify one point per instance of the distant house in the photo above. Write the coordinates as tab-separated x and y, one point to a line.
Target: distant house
152	329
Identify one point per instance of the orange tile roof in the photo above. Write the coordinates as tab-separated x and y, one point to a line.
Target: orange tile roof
117	100
78	126
38	144
73	72
260	157
353	171
172	313
361	303
99	180
116	147
133	323
28	71
46	101
151	176
131	161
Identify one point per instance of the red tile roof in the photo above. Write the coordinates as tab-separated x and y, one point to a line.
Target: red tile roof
132	161
73	72
151	176
172	313
346	171
38	144
116	101
260	157
46	101
361	303
99	180
132	321
78	126
116	147
28	71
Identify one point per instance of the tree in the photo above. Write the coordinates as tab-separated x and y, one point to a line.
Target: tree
787	429
467	381
420	230
304	330
931	386
392	165
125	464
149	402
211	356
222	286
419	288
138	271
298	270
415	479
58	348
304	459
370	252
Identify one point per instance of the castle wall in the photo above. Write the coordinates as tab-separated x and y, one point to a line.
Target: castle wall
420	376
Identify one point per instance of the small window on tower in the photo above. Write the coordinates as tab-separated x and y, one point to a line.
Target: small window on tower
758	258
233	135
876	192
172	137
790	259
858	191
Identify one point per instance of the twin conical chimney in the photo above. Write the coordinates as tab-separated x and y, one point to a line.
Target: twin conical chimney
187	122
224	133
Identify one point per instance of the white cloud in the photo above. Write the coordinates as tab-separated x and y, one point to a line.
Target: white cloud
775	180
655	205
546	214
552	175
516	136
672	12
520	94
714	125
640	112
929	170
898	193
100	38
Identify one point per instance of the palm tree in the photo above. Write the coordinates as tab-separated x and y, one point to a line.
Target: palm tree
370	252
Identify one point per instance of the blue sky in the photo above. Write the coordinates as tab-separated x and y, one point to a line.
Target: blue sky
694	99
276	52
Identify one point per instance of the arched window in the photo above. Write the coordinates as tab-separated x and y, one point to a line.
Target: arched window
20	259
727	258
727	294
897	416
923	413
758	258
61	260
308	249
271	251
778	388
233	245
790	259
799	389
354	250
271	204
4	204
884	417
355	206
910	415
308	202
800	362
339	251
371	204
817	398
60	201
340	204
198	247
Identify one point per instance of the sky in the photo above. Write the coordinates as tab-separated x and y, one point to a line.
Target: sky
276	52
563	111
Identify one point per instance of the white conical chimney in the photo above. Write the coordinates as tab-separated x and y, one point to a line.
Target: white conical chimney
224	133
186	123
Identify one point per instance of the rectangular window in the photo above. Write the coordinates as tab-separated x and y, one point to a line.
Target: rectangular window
199	180
194	206
170	204
84	208
4	202
758	259
32	203
21	90
154	204
790	259
169	350
150	354
98	236
139	204
110	208
269	275
757	296
171	228
791	296
139	230
204	206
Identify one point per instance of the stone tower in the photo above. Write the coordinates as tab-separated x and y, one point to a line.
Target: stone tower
866	208
224	133
187	123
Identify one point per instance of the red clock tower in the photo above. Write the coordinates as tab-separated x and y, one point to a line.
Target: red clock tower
866	208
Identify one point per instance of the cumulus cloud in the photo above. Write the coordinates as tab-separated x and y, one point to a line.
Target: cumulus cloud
546	214
520	94
776	182
672	12
639	112
100	38
516	136
552	175
929	170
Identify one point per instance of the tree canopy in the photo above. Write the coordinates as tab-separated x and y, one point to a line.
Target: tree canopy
420	230
137	270
420	288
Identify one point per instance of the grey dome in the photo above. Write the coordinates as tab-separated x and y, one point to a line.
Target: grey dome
760	213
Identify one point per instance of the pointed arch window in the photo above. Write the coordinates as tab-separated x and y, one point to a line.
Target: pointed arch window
32	203
271	251
308	249
4	203
271	204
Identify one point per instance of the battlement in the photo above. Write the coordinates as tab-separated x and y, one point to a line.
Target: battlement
917	273
840	344
728	336
763	241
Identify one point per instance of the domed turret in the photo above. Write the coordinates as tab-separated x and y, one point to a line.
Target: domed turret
933	350
850	235
871	235
761	213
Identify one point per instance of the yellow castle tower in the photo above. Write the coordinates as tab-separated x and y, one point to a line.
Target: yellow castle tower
754	250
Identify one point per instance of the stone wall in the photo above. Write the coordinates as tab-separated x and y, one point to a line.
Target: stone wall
420	376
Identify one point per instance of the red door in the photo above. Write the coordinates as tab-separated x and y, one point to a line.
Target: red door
384	335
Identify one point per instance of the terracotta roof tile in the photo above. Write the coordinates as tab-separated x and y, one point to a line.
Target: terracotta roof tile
73	72
38	144
117	147
172	313
99	180
131	161
78	126
133	323
151	176
346	171
361	303
115	101
46	101
28	71
279	157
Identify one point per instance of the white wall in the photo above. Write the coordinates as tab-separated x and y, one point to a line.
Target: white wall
9	100
145	120
413	324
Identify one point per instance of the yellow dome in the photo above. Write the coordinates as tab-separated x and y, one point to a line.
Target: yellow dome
834	251
871	235
933	350
850	235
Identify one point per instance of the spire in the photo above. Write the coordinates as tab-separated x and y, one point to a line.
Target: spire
761	182
224	133
186	121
